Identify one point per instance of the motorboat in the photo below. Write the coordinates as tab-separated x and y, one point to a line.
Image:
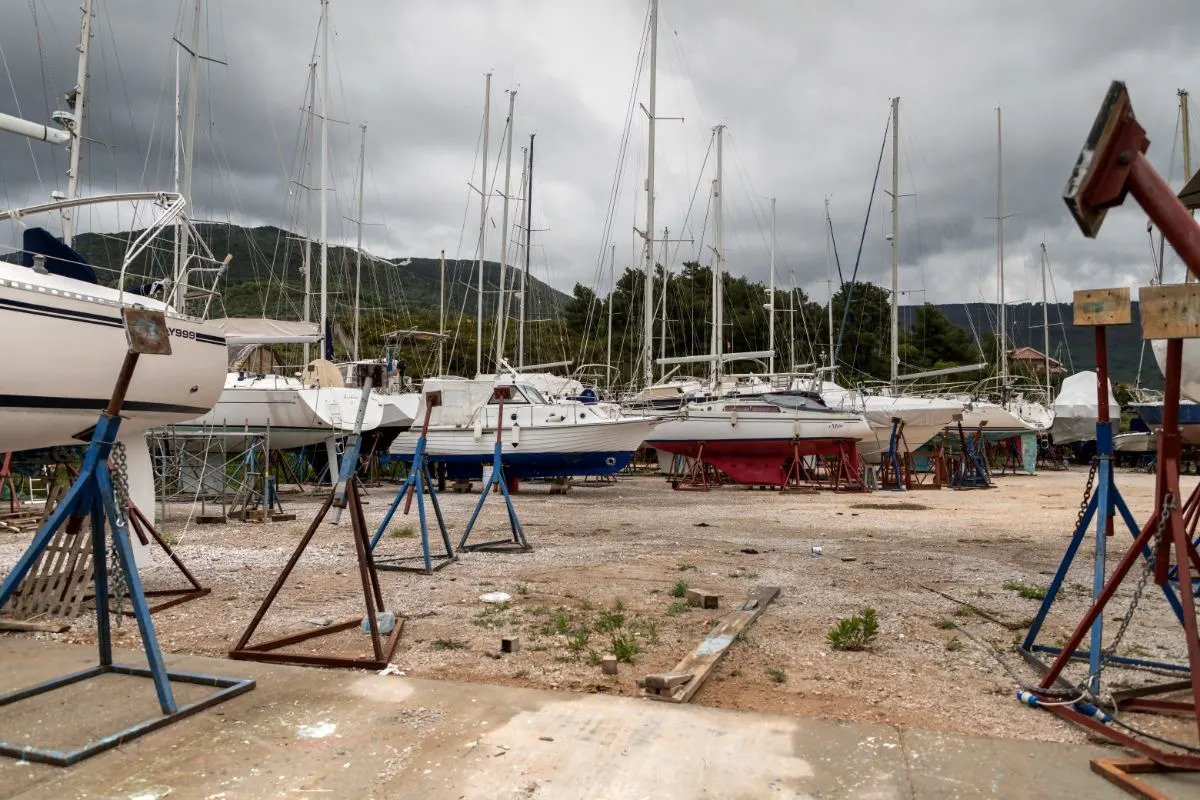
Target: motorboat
541	438
752	439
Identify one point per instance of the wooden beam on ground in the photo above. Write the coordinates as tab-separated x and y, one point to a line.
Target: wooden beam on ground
38	627
681	683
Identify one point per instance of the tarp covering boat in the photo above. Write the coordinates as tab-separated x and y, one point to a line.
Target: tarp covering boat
260	330
1076	409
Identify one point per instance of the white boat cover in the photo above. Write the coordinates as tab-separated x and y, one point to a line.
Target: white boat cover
1076	409
460	398
260	330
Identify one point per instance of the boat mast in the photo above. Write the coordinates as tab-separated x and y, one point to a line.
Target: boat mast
648	293
483	202
718	338
1000	311
612	290
662	321
1187	155
895	357
326	343
442	314
77	98
1046	325
362	160
308	151
189	150
528	242
771	294
829	283
501	313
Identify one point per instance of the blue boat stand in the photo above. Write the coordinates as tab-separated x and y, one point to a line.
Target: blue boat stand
518	542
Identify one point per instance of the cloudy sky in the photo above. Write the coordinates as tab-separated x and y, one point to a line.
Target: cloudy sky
803	88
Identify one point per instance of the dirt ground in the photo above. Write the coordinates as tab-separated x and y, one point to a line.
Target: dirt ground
608	561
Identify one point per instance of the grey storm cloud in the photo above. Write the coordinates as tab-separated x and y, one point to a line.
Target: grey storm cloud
803	88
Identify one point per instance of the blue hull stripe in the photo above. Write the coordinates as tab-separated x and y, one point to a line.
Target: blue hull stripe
533	465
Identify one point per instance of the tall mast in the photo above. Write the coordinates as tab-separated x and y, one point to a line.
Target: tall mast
1187	154
1046	326
77	97
442	314
483	203
326	343
362	160
771	294
176	147
612	290
829	283
662	321
895	357
504	232
189	151
528	242
648	294
718	293
792	325
1000	311
308	151
519	225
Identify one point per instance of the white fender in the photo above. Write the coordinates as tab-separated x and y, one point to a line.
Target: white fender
516	435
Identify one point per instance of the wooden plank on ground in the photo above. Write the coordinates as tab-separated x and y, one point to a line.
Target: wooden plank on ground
38	627
697	666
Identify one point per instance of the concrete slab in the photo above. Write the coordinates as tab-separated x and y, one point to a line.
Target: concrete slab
306	732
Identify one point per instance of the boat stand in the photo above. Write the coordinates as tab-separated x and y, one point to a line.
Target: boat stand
517	543
701	475
1098	309
1112	164
968	469
418	483
344	495
895	471
172	597
93	495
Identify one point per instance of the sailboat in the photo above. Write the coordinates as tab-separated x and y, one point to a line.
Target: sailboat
63	329
923	417
292	412
1012	413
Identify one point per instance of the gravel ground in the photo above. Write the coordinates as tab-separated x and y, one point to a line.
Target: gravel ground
607	560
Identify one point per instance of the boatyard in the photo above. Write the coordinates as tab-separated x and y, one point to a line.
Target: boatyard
745	513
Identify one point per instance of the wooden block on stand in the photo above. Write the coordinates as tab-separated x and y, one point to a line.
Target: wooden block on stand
1103	307
702	599
1170	311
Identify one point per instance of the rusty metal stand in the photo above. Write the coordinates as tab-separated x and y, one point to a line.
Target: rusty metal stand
969	468
93	495
344	495
1112	164
701	475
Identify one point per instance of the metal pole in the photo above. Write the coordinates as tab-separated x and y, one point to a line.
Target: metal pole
895	357
718	344
483	203
528	240
829	282
78	107
1000	311
442	315
771	294
1046	334
362	160
662	322
501	312
312	106
612	287
326	345
648	295
189	150
1184	121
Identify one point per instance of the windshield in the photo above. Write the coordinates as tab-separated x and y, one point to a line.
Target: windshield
533	394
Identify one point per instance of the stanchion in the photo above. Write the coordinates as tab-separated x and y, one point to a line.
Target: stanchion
517	543
94	495
417	484
1112	164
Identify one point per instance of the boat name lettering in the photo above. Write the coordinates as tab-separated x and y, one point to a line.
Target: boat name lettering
181	333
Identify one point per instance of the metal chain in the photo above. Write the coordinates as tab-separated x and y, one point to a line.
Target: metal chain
1087	492
117	584
1147	568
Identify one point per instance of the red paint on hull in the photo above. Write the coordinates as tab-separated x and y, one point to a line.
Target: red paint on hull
755	462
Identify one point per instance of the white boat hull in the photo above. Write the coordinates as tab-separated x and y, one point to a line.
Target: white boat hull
290	416
64	346
923	417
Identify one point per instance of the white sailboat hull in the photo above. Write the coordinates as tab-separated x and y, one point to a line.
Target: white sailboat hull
289	415
923	417
64	345
1189	370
